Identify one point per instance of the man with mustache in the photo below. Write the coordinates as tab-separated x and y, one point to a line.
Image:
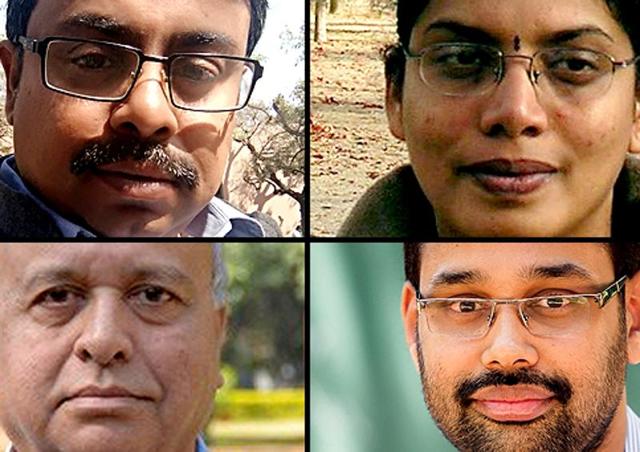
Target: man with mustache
523	346
517	117
123	114
110	348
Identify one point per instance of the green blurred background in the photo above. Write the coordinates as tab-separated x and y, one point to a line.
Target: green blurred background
365	392
262	400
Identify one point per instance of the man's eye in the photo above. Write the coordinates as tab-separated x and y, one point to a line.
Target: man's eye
197	71
152	296
93	61
465	306
60	296
553	302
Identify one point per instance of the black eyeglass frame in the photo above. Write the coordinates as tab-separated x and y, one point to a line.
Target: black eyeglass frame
40	46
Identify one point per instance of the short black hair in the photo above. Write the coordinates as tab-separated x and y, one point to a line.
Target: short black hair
626	12
19	13
625	257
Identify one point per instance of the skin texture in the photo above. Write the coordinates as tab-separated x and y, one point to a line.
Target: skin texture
66	124
586	142
593	364
75	315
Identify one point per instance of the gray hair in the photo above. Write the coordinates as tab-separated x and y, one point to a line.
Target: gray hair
219	278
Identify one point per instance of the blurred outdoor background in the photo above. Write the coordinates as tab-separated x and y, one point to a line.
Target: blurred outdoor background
266	167
351	146
366	392
261	408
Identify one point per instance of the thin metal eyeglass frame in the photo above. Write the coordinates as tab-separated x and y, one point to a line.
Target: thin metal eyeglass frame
533	75
601	299
39	47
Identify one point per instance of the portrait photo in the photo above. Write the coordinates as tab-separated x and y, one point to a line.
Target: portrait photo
474	346
164	347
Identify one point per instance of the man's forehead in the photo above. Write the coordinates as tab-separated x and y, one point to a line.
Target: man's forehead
95	257
519	259
147	22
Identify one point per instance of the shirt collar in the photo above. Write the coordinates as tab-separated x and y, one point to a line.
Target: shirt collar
201	446
215	220
632	440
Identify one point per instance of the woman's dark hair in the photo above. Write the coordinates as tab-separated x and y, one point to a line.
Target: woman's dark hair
626	12
19	13
625	257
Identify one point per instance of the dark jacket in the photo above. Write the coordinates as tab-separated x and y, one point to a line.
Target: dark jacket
22	218
396	207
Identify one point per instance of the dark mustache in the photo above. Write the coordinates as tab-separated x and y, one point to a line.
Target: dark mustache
97	154
558	385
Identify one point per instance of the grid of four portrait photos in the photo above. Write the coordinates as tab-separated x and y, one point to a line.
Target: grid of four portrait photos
325	225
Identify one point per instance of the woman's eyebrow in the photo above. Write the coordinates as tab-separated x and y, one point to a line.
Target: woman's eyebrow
564	36
464	31
476	34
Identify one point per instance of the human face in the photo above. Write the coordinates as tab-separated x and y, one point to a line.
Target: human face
130	198
559	160
510	390
107	347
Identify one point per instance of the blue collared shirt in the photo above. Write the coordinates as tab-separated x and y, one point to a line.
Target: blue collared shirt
201	446
217	219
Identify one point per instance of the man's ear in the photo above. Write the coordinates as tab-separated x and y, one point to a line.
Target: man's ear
220	324
393	106
409	314
633	318
634	146
11	65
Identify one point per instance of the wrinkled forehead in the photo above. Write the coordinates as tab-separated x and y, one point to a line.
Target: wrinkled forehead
507	263
501	20
105	262
150	24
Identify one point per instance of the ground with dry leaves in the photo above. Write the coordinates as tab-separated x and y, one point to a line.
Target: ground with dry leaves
351	145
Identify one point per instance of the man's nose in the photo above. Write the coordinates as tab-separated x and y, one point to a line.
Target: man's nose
513	108
147	112
104	337
508	342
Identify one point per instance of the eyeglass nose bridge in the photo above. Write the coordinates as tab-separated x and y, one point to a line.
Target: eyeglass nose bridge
143	58
534	75
524	319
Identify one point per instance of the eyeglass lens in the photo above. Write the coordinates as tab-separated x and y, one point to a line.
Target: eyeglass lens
106	72
552	316
468	69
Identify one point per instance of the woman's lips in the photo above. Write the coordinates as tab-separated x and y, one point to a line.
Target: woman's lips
506	177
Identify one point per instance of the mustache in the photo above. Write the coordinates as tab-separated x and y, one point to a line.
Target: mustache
559	386
97	154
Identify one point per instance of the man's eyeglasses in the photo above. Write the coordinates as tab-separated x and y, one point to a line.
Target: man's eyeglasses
464	69
106	71
549	316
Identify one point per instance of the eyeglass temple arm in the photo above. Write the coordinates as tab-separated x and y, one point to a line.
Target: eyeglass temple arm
29	44
609	292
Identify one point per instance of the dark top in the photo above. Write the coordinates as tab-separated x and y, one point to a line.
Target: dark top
396	207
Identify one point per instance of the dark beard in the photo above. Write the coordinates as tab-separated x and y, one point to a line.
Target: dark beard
560	429
96	154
